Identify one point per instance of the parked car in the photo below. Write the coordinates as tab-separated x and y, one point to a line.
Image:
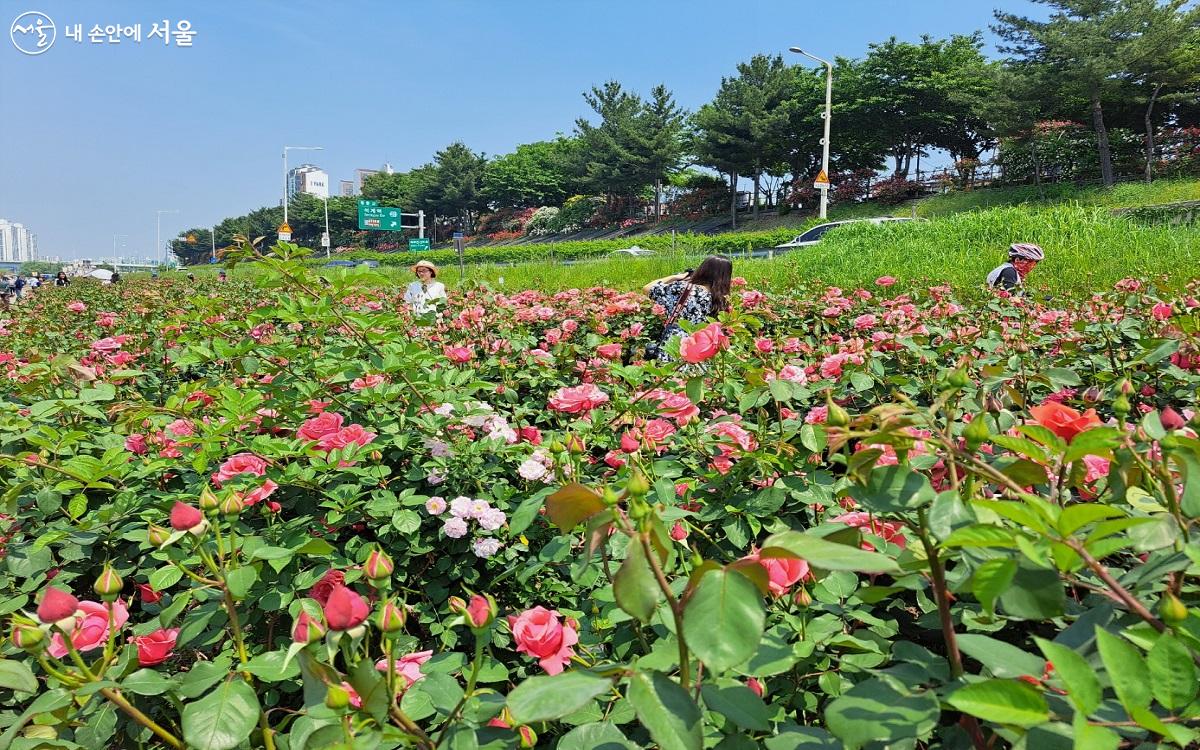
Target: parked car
634	252
814	235
352	263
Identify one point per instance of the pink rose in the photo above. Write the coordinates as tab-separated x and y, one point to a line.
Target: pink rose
539	633
889	531
609	351
581	398
366	381
885	281
136	443
407	666
91	630
353	434
703	344
241	463
458	354
782	572
77	307
324	423
155	648
1161	311
260	494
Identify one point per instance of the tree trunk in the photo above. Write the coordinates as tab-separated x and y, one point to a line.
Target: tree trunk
757	177
1106	169
1150	134
733	200
657	199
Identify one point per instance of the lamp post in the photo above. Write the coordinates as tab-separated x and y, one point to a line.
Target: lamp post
285	231
828	115
115	236
213	234
159	255
325	240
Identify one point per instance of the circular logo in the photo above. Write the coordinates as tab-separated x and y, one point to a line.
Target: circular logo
32	32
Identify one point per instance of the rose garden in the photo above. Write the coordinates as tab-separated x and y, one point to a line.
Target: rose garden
280	513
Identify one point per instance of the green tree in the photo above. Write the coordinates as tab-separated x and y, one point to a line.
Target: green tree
535	174
455	188
606	161
656	140
1094	46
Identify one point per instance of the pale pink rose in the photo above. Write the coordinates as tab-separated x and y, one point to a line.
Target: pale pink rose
580	398
91	630
407	666
241	463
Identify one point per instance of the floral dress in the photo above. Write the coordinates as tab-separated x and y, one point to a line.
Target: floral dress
696	309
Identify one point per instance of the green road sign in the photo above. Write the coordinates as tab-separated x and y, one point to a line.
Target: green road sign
371	215
418	243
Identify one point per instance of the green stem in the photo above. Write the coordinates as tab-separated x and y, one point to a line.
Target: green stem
676	607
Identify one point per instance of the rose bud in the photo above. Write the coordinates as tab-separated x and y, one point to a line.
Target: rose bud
57	605
157	535
1172	420
378	566
376	455
478	613
345	609
108	585
528	737
802	597
1172	611
637	485
233	505
307	629
28	637
1092	395
1125	387
755	686
391	618
574	444
337	698
209	501
187	518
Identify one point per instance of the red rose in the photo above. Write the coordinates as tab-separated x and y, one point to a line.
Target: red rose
324	587
345	609
148	594
155	648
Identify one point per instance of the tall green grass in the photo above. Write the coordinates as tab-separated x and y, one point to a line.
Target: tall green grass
1086	249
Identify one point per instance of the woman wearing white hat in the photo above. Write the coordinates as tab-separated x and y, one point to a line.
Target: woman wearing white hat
422	293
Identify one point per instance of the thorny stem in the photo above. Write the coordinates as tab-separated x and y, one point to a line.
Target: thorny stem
676	607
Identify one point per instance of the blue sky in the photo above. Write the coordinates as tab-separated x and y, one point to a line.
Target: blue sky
96	137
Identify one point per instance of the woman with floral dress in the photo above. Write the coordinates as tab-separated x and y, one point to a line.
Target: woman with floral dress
694	296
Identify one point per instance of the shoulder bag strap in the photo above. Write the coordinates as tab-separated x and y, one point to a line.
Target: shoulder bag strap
678	309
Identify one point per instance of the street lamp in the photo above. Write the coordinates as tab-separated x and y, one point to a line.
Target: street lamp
828	115
115	236
285	232
158	251
325	237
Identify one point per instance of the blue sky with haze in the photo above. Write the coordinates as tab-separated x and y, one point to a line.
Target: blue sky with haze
96	137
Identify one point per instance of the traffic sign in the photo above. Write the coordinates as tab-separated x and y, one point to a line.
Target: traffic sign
822	180
458	235
371	215
418	243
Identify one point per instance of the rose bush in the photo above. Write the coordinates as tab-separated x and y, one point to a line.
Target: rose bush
866	518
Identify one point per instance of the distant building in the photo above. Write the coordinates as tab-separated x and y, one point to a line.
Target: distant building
346	188
17	243
308	178
360	175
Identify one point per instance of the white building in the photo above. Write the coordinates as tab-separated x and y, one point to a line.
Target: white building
308	178
17	243
346	188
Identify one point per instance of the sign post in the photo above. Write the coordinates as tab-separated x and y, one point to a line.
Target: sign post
418	243
458	245
373	216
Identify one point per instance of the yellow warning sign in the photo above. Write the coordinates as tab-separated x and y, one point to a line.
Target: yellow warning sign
822	180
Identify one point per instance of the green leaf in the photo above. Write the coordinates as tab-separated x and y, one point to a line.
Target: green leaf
737	703
822	553
981	535
723	620
1126	670
1088	737
239	581
1002	701
600	735
1098	441
546	697
526	512
1075	517
1083	689
881	710
1000	658
1173	677
635	587
666	711
165	577
1034	594
146	682
272	666
892	489
16	675
223	719
991	579
1189	466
